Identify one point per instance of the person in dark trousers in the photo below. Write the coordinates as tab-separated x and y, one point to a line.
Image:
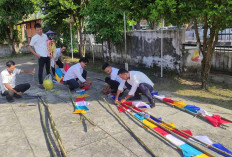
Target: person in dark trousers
113	81
7	82
137	82
75	73
57	60
39	42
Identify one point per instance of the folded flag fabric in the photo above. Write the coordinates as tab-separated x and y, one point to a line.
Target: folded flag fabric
186	131
66	67
79	111
160	97
80	99
161	131
59	75
140	104
204	113
221	147
82	96
82	108
189	151
215	120
179	104
86	87
82	103
149	123
154	93
81	92
168	100
127	103
156	120
192	108
168	127
204	139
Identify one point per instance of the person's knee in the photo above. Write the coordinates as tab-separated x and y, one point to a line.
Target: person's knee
27	85
107	79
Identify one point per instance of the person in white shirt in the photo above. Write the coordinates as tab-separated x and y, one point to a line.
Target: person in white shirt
75	73
57	60
7	82
113	81
137	82
39	42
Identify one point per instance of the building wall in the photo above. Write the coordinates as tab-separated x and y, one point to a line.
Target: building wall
19	48
144	48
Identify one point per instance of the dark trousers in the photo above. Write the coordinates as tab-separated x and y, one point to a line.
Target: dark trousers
143	88
73	84
43	61
60	64
19	88
112	83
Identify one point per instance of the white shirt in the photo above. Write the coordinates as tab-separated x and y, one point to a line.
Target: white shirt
136	77
74	72
40	44
5	77
56	57
114	75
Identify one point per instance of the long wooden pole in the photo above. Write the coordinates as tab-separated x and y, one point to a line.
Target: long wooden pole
196	115
55	131
46	131
203	143
171	132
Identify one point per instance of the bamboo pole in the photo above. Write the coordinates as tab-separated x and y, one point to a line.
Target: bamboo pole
55	131
203	143
171	132
46	131
140	140
195	115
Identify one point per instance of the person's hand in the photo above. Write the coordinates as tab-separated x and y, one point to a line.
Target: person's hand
123	100
19	93
55	66
105	91
38	56
88	82
32	72
116	101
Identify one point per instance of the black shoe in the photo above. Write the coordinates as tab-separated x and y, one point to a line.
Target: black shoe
152	104
17	96
137	97
9	98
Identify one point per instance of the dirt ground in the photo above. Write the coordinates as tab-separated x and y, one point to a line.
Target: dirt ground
22	133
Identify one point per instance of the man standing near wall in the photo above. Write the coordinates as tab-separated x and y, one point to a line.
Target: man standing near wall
39	42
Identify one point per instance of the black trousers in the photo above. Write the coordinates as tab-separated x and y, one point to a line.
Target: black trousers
19	88
73	84
112	83
43	61
60	64
143	88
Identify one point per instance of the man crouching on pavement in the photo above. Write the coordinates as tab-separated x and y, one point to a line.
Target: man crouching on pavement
7	82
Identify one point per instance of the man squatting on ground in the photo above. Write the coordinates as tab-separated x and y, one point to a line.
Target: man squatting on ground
7	82
39	42
113	81
137	82
75	73
57	60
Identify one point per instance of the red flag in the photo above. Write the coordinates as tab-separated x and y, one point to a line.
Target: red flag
86	87
66	67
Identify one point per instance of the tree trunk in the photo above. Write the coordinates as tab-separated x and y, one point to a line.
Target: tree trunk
11	40
137	27
208	50
189	25
109	50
